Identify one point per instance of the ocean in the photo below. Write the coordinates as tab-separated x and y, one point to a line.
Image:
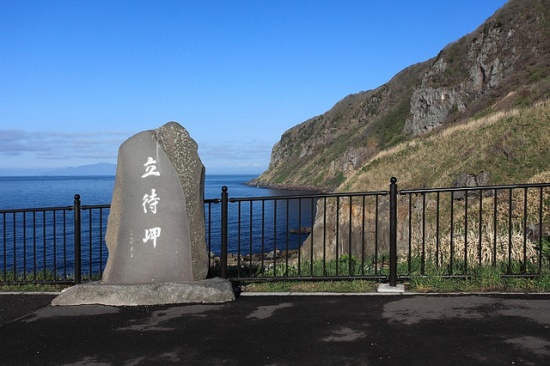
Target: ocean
50	191
258	221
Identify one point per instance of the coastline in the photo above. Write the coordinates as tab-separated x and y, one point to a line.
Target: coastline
286	187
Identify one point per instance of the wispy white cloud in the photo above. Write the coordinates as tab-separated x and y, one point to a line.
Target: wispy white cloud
253	153
20	148
60	145
236	149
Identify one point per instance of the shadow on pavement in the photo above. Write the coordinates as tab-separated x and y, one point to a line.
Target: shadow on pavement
282	330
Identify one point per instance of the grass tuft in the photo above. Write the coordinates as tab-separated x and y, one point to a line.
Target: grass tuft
353	286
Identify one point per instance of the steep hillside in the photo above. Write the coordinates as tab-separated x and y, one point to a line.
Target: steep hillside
503	64
507	147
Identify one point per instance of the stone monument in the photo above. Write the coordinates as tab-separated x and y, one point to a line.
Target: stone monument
156	224
156	230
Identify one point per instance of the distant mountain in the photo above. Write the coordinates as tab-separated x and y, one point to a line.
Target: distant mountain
90	169
503	65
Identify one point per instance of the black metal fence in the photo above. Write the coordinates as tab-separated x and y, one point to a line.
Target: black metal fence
454	230
53	244
383	235
296	237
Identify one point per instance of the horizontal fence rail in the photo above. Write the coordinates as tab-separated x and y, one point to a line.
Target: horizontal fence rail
383	235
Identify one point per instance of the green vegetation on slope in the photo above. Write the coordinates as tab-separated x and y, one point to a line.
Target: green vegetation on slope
389	128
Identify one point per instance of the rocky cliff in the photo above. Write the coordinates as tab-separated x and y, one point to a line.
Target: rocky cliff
504	63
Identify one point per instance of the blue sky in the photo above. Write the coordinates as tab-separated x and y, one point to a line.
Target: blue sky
77	78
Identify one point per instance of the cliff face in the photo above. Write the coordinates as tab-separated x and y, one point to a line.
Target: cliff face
503	64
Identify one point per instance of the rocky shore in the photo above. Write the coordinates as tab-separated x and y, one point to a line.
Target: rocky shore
254	263
287	187
256	258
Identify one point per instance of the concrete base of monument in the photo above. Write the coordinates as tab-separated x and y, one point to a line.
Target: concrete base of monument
210	291
386	288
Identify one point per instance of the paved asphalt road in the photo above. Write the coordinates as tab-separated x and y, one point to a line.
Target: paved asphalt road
282	330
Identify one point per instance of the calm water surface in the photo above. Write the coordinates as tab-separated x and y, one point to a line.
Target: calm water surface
257	225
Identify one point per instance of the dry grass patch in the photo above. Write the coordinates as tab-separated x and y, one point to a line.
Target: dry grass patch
511	146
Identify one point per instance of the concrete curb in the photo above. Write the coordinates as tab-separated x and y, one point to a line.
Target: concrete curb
29	293
283	294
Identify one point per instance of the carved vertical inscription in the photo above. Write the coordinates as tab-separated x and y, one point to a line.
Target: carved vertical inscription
148	234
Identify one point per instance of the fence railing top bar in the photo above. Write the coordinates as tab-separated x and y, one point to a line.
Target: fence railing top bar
212	200
35	209
480	188
308	196
88	207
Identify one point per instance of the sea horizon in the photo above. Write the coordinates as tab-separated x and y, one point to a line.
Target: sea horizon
109	175
108	169
38	191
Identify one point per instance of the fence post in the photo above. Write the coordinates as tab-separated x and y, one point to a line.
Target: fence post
224	218
77	240
393	232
